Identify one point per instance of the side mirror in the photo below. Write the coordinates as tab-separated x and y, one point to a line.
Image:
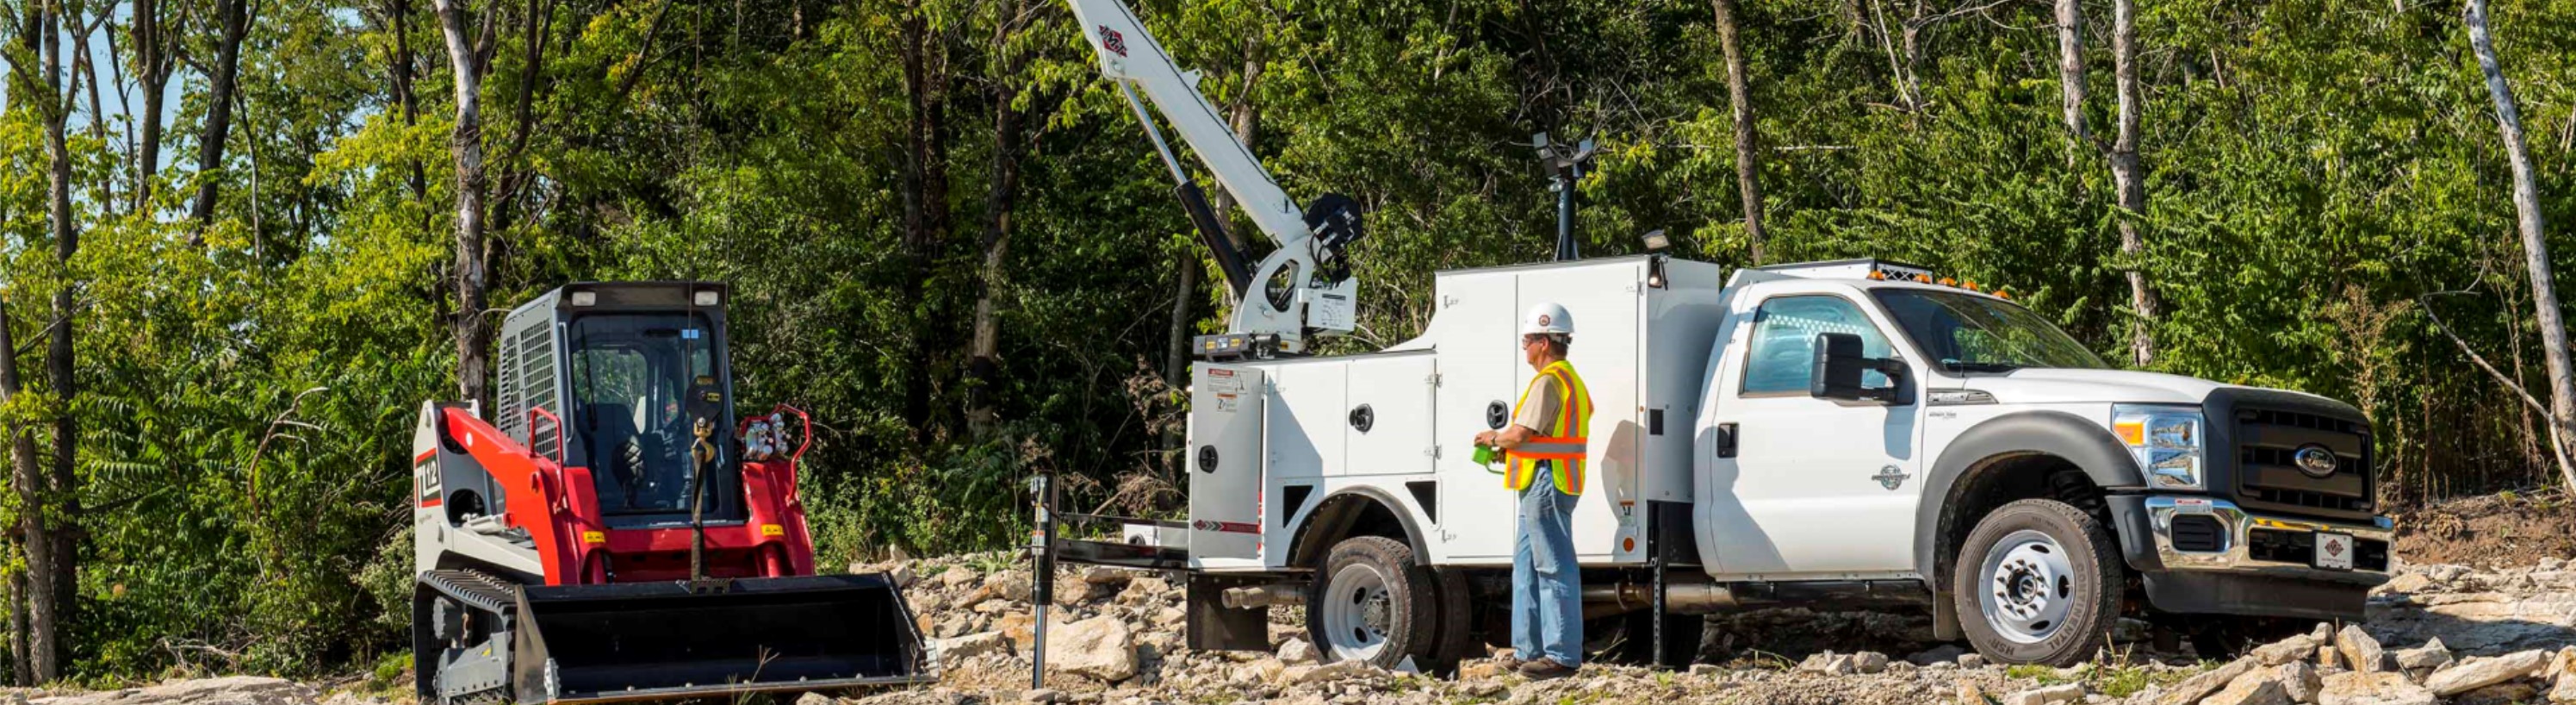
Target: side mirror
1839	365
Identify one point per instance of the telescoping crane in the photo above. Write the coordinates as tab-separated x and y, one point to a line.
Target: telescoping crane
1304	288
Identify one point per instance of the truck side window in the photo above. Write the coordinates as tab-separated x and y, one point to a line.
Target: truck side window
1784	341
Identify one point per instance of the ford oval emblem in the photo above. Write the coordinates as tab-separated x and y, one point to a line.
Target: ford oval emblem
2314	461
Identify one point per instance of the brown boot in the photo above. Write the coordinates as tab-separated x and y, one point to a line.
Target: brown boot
1546	669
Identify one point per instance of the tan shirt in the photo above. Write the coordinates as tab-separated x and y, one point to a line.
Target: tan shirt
1540	406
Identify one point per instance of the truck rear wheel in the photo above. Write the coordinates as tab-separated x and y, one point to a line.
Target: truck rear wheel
2038	581
1371	602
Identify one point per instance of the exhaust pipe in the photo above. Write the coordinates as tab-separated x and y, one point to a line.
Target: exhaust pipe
1271	595
1602	600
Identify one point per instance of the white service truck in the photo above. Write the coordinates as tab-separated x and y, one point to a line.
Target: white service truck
1852	434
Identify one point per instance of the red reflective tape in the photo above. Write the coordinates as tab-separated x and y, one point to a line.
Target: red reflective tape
431	502
425	455
1230	527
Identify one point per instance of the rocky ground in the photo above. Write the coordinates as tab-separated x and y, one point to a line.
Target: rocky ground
2439	633
2494	622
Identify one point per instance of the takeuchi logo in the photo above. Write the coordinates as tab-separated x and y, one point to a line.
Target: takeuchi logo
1111	40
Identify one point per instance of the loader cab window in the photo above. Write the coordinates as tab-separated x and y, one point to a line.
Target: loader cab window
1784	342
639	383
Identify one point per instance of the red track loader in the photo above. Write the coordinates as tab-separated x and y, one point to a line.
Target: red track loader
611	533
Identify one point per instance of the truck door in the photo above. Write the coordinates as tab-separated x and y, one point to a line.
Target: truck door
1225	462
1809	486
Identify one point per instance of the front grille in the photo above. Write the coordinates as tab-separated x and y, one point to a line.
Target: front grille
2307	500
2296	419
2268	440
2198	532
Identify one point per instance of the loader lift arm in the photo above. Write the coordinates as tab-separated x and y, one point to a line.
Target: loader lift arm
1304	286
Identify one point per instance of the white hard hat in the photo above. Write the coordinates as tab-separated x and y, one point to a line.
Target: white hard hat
1547	318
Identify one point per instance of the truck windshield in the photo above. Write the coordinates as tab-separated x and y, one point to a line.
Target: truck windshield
1969	333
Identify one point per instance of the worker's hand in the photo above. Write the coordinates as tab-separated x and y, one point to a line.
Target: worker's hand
1485	438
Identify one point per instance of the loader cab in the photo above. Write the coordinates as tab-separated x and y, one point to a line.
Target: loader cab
617	378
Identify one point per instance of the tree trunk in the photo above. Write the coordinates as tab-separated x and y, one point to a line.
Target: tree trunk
925	204
2129	177
65	484
234	18
2070	75
17	601
27	478
152	71
984	353
1176	362
401	77
473	338
1748	166
2535	247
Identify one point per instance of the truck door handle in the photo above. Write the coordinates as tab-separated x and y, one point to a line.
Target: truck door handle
1726	440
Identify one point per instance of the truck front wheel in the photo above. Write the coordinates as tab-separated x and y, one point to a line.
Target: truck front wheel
2038	581
1371	602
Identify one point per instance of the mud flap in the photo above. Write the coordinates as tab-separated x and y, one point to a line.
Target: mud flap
1212	626
714	638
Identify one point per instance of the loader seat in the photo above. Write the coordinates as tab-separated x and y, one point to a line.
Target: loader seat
616	451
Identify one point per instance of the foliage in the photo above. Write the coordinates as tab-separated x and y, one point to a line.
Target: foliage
2324	181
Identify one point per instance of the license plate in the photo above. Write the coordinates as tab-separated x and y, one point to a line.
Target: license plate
2334	551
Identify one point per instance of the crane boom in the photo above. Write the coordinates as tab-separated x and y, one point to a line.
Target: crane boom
1319	294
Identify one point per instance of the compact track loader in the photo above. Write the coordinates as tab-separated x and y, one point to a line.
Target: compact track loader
612	533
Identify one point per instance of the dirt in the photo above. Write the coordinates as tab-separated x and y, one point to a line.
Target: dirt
2489	531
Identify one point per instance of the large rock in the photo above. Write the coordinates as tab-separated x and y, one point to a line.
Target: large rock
234	690
2061	693
1837	664
2298	680
2382	688
2432	655
2483	613
2253	688
2360	651
1142	590
2478	673
2297	648
2192	689
1104	575
1296	652
1869	662
1009	585
947	653
1100	648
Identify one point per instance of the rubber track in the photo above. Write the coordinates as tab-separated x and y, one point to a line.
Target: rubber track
484	592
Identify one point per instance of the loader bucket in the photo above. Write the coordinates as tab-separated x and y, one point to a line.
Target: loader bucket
716	638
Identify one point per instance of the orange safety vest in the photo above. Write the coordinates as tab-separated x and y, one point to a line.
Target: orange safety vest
1562	442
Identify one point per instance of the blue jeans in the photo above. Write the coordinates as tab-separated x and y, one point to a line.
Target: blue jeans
1547	585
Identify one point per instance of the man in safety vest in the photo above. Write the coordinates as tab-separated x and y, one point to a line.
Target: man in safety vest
1543	451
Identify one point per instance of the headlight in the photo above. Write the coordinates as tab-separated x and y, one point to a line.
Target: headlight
2166	440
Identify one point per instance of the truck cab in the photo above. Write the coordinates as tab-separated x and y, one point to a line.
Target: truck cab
1896	456
1855	434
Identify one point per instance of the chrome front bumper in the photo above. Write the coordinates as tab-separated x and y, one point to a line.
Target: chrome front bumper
2235	557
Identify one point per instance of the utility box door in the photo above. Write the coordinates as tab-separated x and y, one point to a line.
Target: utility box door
1225	464
1388	427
